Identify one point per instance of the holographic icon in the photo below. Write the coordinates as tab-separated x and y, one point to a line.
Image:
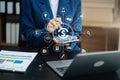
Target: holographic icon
63	33
77	28
68	48
37	33
44	51
63	10
87	32
47	38
57	48
81	15
45	15
68	18
63	55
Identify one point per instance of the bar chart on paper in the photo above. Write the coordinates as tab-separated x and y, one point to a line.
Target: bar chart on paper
16	61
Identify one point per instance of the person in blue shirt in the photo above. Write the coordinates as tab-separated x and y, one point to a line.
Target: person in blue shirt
42	18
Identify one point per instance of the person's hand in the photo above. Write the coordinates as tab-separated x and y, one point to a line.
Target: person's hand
54	24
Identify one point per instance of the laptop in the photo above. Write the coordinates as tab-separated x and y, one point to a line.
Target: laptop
87	64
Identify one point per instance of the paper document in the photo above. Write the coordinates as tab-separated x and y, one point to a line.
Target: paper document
16	61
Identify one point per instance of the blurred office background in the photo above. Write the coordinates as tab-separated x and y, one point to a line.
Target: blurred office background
101	24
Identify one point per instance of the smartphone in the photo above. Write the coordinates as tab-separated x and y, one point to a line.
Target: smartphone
69	39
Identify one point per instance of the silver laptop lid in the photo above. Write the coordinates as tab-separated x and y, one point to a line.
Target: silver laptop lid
94	62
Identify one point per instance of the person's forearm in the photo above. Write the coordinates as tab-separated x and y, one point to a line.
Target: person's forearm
35	37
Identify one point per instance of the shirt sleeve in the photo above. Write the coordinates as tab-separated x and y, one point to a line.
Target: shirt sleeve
77	26
33	36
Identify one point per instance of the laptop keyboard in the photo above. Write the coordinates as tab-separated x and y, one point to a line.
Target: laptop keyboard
62	69
60	65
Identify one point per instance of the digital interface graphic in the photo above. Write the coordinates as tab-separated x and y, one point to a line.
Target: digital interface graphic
64	35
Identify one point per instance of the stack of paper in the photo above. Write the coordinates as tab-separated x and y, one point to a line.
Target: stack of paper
15	61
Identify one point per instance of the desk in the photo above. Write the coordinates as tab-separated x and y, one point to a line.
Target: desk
34	72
